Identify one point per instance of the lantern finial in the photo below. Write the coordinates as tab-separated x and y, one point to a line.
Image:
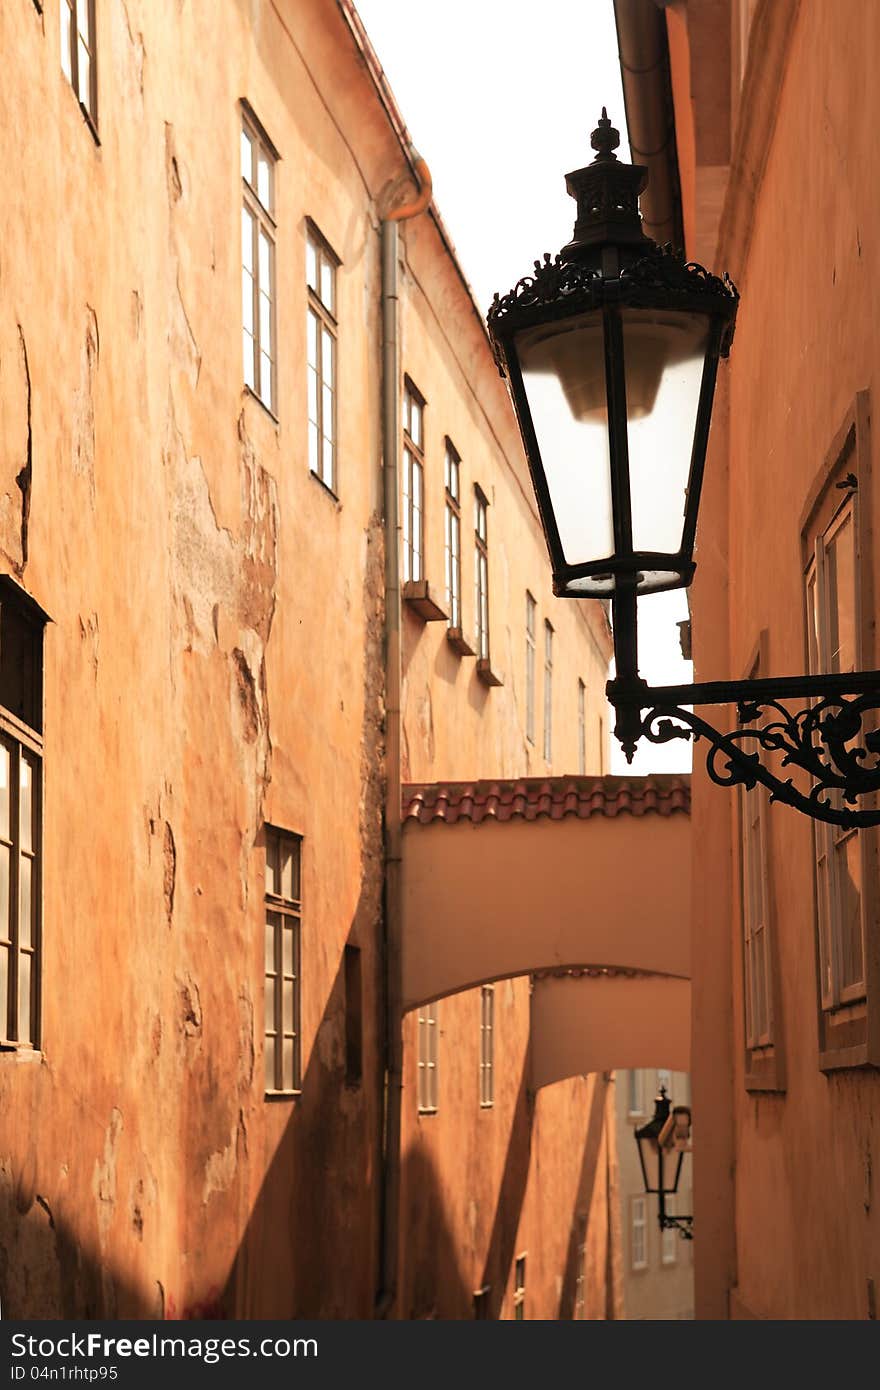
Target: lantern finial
605	139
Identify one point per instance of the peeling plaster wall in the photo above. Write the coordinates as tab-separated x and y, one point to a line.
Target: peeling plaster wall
214	661
195	682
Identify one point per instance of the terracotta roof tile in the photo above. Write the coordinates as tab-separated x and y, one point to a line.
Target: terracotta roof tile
660	794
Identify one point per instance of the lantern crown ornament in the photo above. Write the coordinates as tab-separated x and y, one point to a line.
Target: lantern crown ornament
611	350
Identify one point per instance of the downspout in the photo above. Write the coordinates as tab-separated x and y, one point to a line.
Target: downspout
393	918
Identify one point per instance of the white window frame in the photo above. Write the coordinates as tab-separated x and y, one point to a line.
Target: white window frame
755	918
322	356
282	1029
77	19
531	623
832	843
519	1286
452	534
582	727
548	690
21	835
638	1233
669	1246
481	573
487	1046
580	1282
413	511
427	1057
258	272
635	1095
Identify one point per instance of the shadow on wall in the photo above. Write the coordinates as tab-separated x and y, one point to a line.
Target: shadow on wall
432	1285
431	1282
584	1197
46	1272
511	1194
309	1247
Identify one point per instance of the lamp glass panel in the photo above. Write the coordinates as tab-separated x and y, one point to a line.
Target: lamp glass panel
650	1156
563	367
664	352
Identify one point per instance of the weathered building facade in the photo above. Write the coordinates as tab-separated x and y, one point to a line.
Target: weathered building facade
774	162
202	765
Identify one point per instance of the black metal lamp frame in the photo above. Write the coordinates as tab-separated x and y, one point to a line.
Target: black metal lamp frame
649	1133
832	734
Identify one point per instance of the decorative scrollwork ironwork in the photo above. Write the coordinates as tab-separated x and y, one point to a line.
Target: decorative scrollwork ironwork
682	1224
831	741
663	268
554	279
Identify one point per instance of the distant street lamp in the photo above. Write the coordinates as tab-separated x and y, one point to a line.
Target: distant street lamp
611	353
662	1144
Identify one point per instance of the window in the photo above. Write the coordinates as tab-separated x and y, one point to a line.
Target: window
832	625
638	1234
427	1059
78	53
763	1063
836	541
668	1246
531	610
21	765
321	266
481	1303
413	483
283	914
258	260
579	1299
353	1016
548	691
519	1289
453	536
481	574
635	1092
664	1079
582	728
487	1054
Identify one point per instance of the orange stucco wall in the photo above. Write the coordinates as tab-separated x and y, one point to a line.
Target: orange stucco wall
214	663
800	229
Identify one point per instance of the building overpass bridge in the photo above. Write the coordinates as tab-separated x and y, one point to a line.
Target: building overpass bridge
582	883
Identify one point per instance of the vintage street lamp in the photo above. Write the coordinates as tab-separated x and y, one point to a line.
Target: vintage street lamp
662	1144
611	353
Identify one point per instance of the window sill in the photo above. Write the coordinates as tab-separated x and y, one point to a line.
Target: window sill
25	1052
842	1057
81	107
458	642
417	593
325	487
427	1110
281	1095
249	391
764	1069
486	674
87	117
845	1038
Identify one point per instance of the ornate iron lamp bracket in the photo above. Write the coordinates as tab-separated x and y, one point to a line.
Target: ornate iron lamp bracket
683	1224
834	738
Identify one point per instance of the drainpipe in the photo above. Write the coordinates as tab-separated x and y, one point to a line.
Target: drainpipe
393	1021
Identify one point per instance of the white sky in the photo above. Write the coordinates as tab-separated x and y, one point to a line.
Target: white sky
500	97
